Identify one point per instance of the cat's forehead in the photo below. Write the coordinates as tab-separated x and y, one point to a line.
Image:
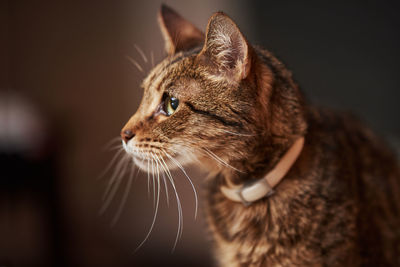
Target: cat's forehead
172	73
174	67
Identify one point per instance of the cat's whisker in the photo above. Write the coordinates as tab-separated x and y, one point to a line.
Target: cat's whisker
115	147
209	154
114	188
154	184
180	216
138	169
134	62
140	51
187	176
108	167
114	175
152	58
238	134
148	178
111	142
213	155
154	217
124	197
231	132
159	179
165	183
166	188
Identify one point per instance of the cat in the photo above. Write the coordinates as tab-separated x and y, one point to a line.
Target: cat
290	184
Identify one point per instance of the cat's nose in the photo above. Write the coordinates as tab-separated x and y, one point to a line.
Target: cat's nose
127	135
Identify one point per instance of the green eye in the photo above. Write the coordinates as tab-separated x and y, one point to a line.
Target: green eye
171	104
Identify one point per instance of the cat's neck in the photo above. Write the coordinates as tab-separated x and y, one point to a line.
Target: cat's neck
261	159
248	193
278	126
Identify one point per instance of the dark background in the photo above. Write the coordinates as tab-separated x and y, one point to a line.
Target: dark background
67	89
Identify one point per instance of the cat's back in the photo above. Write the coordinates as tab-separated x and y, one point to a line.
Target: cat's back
360	165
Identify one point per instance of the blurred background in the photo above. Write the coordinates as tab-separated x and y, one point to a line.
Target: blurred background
67	88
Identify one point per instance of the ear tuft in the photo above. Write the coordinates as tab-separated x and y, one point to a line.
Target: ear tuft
179	34
226	47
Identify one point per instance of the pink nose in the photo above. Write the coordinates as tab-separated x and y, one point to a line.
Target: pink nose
127	135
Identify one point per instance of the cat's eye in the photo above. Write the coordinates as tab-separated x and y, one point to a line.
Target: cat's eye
170	105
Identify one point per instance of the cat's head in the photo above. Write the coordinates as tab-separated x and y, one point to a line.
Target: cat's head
204	101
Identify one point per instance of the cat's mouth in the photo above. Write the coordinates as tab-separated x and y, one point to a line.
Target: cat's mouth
152	160
154	163
155	159
152	166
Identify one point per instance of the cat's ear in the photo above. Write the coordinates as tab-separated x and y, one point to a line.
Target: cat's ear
226	48
179	34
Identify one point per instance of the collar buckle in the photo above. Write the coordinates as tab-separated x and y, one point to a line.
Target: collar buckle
253	191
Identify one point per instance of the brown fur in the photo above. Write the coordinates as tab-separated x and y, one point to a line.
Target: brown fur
339	203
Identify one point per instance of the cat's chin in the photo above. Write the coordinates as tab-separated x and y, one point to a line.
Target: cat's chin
151	166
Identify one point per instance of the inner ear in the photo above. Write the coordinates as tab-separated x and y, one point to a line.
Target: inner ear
226	47
179	34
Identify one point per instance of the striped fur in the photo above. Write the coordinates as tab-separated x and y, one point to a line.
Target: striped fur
239	111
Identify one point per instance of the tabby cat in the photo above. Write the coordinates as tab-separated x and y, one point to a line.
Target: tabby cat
290	184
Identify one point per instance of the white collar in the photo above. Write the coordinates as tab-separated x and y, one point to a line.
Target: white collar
250	192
